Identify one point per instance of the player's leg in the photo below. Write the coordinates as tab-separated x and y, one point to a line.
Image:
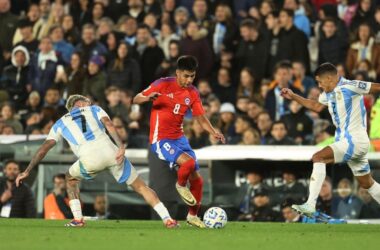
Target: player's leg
152	199
196	188
318	175
187	165
72	185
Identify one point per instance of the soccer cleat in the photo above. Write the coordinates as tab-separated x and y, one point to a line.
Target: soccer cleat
186	195
170	223
75	223
304	209
195	221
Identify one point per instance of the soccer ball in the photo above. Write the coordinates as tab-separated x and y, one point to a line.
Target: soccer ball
215	217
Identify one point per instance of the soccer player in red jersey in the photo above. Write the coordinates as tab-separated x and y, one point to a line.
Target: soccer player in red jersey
172	98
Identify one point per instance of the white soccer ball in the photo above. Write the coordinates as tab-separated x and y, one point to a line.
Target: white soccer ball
215	217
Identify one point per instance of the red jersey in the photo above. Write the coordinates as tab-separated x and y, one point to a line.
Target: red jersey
169	109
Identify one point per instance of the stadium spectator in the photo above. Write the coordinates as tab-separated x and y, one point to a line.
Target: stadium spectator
168	66
348	206
101	208
205	91
288	214
223	30
226	122
371	209
332	47
53	100
56	204
43	67
136	10
242	124
71	33
264	124
253	185
275	104
298	124
266	7
196	45
273	29
300	19
45	20
94	83
121	129
262	210
292	41
181	18
148	54
300	77
326	198
89	46
28	41
72	77
364	14
151	21
279	133
63	48
364	47
128	25
252	50
247	86
325	135
15	76
165	39
198	136
124	71
290	189
9	118
242	105
15	202
200	14
254	109
8	25
250	137
115	107
97	12
223	86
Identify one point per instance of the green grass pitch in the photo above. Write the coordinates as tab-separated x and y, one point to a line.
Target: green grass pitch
22	234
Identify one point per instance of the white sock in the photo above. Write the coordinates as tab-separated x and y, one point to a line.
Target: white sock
162	211
316	180
374	191
76	209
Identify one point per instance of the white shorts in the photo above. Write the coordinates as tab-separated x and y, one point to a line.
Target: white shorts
99	156
354	153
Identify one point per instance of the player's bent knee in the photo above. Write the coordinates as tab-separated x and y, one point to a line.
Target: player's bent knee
190	164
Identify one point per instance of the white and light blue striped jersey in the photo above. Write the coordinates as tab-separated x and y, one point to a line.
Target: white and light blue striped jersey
80	126
346	106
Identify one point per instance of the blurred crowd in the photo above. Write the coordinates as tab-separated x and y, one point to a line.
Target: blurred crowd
247	50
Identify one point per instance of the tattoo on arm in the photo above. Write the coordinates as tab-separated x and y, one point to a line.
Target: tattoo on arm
40	154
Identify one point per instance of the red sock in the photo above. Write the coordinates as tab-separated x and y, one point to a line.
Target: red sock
184	172
196	188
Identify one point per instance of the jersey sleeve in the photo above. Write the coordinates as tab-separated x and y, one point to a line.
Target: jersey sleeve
323	99
197	107
154	87
100	113
359	87
54	133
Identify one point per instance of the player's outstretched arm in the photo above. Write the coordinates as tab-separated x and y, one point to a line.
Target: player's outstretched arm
205	123
307	103
38	156
375	88
112	131
140	98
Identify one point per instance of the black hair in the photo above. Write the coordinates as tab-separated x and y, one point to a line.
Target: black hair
9	161
249	23
285	64
326	68
289	12
59	176
279	122
189	63
245	118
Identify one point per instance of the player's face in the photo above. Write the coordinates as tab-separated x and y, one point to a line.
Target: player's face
185	78
327	82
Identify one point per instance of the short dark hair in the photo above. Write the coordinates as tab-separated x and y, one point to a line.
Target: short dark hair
245	118
285	64
289	12
248	23
59	176
278	122
326	68
189	63
9	161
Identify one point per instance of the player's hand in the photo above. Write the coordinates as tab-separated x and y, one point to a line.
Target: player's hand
120	156
153	96
287	93
21	177
220	137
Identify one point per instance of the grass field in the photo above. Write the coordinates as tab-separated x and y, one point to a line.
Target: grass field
39	234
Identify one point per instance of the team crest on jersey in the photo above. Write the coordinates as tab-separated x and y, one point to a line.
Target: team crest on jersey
187	100
171	151
339	96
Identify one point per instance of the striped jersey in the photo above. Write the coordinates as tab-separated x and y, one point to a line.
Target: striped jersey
170	108
346	106
79	126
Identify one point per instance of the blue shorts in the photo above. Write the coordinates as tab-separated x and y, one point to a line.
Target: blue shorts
169	150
